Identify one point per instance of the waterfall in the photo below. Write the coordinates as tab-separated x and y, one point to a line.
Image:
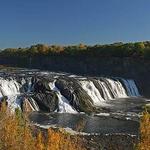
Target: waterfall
64	106
116	88
10	89
105	89
131	87
94	91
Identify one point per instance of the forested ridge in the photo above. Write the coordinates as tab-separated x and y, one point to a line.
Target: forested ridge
138	49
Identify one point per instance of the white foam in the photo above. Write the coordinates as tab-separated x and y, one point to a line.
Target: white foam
117	88
64	106
13	103
105	90
103	114
93	92
9	87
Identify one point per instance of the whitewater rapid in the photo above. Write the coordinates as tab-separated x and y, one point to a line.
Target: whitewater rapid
98	90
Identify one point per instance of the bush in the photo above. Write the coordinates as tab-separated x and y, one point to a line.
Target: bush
15	134
144	143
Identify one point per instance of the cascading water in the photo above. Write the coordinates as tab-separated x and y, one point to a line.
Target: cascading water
131	87
92	91
109	89
64	106
105	90
116	88
10	88
97	90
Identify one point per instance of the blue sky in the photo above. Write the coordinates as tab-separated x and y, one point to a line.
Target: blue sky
27	22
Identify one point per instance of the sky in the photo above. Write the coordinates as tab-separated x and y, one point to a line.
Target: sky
67	22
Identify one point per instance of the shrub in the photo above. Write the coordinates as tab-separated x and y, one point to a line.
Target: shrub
144	143
14	131
15	134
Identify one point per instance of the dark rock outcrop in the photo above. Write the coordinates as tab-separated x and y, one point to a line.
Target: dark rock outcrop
46	99
77	97
47	102
41	86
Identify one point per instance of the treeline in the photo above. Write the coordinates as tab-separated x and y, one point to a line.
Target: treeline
138	49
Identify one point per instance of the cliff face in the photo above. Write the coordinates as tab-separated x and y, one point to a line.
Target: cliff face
135	68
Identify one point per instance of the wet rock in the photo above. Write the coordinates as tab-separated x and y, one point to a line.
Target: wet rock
76	96
47	102
29	105
41	86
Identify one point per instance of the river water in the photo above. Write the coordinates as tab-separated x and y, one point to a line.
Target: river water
98	105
